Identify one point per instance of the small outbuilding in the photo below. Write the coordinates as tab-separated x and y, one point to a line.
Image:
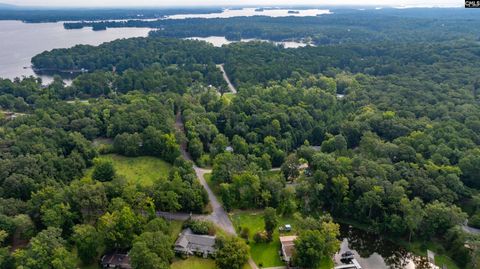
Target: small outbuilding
288	246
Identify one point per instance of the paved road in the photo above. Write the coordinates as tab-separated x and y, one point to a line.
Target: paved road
469	229
180	216
225	76
218	216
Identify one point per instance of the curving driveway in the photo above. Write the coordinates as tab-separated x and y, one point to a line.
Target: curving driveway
218	216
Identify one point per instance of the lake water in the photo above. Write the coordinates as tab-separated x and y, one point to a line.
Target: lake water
248	12
374	252
21	41
219	41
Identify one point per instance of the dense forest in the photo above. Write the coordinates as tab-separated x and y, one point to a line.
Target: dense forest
381	130
343	26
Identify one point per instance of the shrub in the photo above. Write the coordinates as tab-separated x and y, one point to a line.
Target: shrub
204	161
474	221
260	237
200	227
103	171
245	233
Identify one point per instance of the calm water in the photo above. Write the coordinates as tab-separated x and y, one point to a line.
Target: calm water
219	41
21	41
374	252
248	12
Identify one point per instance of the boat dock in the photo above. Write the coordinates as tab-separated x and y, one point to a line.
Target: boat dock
353	265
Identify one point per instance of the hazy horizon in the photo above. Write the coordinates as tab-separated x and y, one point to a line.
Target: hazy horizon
196	3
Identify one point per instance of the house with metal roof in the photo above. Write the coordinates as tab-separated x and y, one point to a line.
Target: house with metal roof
189	243
288	247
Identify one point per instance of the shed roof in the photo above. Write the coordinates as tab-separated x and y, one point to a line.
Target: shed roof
288	246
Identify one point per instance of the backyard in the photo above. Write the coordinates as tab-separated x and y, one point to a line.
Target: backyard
264	254
193	263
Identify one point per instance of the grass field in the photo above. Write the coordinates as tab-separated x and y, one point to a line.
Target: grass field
440	257
266	254
228	96
193	263
143	170
197	263
175	228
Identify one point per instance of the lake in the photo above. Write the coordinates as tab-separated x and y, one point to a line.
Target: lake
375	252
248	12
21	41
219	41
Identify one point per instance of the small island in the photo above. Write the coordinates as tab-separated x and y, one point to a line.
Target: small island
293	12
99	27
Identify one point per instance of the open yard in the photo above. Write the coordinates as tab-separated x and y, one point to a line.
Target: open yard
143	170
193	263
197	263
441	257
175	228
265	254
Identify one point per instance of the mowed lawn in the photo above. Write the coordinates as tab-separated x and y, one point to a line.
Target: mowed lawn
144	170
197	263
193	263
265	254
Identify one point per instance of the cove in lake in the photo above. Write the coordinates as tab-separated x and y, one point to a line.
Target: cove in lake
248	12
372	251
21	41
219	41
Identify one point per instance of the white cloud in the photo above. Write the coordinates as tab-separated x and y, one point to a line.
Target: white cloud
85	3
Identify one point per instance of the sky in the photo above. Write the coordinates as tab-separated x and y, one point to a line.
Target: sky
165	3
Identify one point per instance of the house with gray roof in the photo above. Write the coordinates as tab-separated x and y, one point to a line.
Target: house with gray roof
189	243
116	260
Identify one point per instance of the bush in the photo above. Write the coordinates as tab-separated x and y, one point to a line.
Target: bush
474	221
105	149
200	227
232	252
204	161
260	237
245	233
103	171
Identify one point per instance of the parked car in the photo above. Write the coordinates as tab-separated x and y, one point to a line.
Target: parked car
285	228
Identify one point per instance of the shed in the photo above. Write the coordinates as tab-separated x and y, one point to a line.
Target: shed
288	246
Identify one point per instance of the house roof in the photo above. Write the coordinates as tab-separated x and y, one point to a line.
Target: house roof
288	245
190	242
287	239
117	259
